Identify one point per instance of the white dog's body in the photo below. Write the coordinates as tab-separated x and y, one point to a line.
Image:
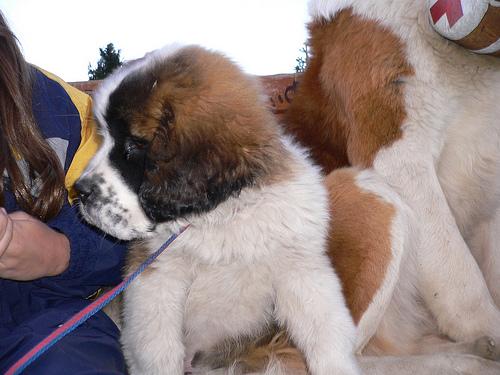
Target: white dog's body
439	153
448	172
254	253
446	167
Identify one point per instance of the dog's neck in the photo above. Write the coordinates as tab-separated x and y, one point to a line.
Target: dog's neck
208	233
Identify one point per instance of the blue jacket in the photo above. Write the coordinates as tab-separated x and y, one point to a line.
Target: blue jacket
63	116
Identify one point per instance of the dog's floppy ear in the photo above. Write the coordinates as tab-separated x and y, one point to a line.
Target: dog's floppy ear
193	173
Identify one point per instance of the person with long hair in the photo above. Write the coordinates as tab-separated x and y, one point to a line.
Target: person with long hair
51	263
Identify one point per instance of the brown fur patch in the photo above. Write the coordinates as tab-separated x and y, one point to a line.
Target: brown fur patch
350	100
360	239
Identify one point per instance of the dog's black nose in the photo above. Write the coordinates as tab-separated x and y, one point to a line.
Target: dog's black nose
84	188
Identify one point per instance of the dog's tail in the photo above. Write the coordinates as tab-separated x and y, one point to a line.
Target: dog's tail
267	355
277	357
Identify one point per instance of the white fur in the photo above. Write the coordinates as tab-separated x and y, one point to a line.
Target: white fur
447	151
123	216
327	9
446	168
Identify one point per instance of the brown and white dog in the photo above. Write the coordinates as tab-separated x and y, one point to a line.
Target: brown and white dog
187	140
416	219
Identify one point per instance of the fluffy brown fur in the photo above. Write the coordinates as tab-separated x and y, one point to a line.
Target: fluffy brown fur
346	109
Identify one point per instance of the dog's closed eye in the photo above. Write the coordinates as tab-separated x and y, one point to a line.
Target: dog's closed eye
168	115
135	149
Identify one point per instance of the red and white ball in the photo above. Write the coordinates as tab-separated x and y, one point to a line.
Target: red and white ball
474	24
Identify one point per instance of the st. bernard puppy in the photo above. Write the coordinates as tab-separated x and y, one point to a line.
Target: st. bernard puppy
187	140
386	96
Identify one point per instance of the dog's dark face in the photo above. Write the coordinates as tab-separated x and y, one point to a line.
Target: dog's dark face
183	131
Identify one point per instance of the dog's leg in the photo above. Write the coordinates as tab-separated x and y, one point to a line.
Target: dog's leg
451	282
484	347
309	303
152	334
442	364
484	245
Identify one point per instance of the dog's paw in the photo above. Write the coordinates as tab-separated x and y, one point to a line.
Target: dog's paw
486	347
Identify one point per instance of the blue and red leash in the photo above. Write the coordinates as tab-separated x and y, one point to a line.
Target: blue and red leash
80	317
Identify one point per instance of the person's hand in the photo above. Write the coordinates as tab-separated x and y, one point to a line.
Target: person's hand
29	249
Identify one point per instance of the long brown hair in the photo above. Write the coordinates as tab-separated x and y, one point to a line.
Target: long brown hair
20	138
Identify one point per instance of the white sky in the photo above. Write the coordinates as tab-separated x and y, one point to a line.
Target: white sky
64	36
